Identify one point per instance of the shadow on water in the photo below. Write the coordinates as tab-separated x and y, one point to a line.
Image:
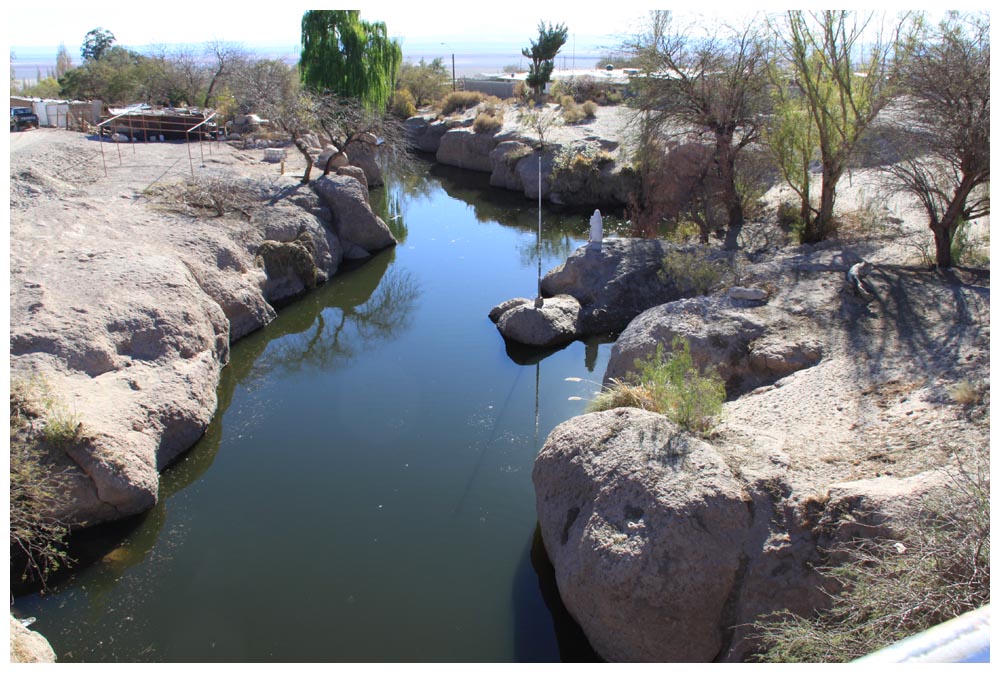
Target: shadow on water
310	332
536	578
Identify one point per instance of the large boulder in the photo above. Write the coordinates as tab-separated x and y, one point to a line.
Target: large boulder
663	552
353	219
504	159
613	282
551	322
464	148
645	527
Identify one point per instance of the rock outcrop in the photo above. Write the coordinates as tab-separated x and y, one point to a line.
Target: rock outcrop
662	553
612	284
127	317
667	547
511	157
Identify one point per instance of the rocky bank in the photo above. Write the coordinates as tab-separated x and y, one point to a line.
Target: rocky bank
840	415
125	297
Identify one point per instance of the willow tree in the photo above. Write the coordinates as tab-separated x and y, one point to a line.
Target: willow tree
349	57
845	69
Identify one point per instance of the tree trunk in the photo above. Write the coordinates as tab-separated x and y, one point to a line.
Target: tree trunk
944	231
304	149
822	226
725	155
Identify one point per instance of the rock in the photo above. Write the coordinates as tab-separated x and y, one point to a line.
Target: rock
424	133
285	224
289	267
774	355
27	646
551	324
645	527
464	148
356	173
613	284
353	219
753	294
718	336
504	160
362	152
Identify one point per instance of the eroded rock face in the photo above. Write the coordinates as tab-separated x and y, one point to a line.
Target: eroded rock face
645	527
464	148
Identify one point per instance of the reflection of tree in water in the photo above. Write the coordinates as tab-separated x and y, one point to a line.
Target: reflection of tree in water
338	331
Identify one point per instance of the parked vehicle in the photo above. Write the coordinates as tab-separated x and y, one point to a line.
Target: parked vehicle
21	118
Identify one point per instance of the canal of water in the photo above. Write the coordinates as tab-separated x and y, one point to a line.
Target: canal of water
364	493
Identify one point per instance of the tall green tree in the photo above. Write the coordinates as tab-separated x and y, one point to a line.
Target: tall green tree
543	54
346	56
845	68
96	44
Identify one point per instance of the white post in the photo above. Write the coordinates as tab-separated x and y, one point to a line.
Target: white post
538	297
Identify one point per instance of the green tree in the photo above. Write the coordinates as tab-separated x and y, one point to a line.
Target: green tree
846	69
945	141
96	44
119	76
427	82
347	56
543	55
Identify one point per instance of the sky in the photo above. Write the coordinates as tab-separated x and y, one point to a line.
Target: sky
47	24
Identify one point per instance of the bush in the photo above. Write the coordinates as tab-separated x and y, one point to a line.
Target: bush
692	270
403	104
35	488
209	196
460	100
892	589
669	384
487	123
590	109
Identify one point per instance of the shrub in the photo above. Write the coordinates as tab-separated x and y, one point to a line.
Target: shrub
209	196
892	589
487	123
692	270
580	158
460	100
590	109
403	105
669	384
35	488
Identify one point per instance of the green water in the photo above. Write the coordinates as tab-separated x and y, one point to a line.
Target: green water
364	493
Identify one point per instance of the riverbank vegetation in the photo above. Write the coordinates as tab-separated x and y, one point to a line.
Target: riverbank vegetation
36	489
892	588
671	384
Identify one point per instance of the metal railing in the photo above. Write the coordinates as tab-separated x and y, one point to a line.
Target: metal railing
964	639
149	123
